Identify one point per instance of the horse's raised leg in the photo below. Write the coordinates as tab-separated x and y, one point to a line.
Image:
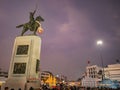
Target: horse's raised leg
23	31
35	31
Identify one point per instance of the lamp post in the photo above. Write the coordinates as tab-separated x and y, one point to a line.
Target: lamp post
100	43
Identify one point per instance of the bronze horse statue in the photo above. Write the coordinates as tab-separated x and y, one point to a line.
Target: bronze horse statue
32	25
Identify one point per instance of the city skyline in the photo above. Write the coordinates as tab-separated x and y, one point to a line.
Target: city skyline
71	30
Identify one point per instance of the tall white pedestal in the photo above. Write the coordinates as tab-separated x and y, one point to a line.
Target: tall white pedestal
24	65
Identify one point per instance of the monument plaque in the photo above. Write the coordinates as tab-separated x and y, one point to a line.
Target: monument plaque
19	68
22	49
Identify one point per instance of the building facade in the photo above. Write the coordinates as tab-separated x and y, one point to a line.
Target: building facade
112	72
48	78
93	71
92	76
3	77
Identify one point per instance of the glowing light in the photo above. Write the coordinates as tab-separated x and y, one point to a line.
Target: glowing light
99	42
40	30
57	75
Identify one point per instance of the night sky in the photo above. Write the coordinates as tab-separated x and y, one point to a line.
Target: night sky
71	29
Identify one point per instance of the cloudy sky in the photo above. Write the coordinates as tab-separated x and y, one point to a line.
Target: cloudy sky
71	29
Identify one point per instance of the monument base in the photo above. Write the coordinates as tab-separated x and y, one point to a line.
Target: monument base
24	66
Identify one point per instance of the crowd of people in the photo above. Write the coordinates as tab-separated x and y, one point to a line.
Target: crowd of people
66	87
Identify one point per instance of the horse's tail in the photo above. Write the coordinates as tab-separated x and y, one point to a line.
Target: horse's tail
19	26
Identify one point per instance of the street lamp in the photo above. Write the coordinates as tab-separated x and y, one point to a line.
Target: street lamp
100	43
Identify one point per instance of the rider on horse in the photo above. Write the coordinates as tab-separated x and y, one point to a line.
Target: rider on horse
32	25
31	17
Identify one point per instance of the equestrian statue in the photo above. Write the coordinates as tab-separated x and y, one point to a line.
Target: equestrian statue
33	25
